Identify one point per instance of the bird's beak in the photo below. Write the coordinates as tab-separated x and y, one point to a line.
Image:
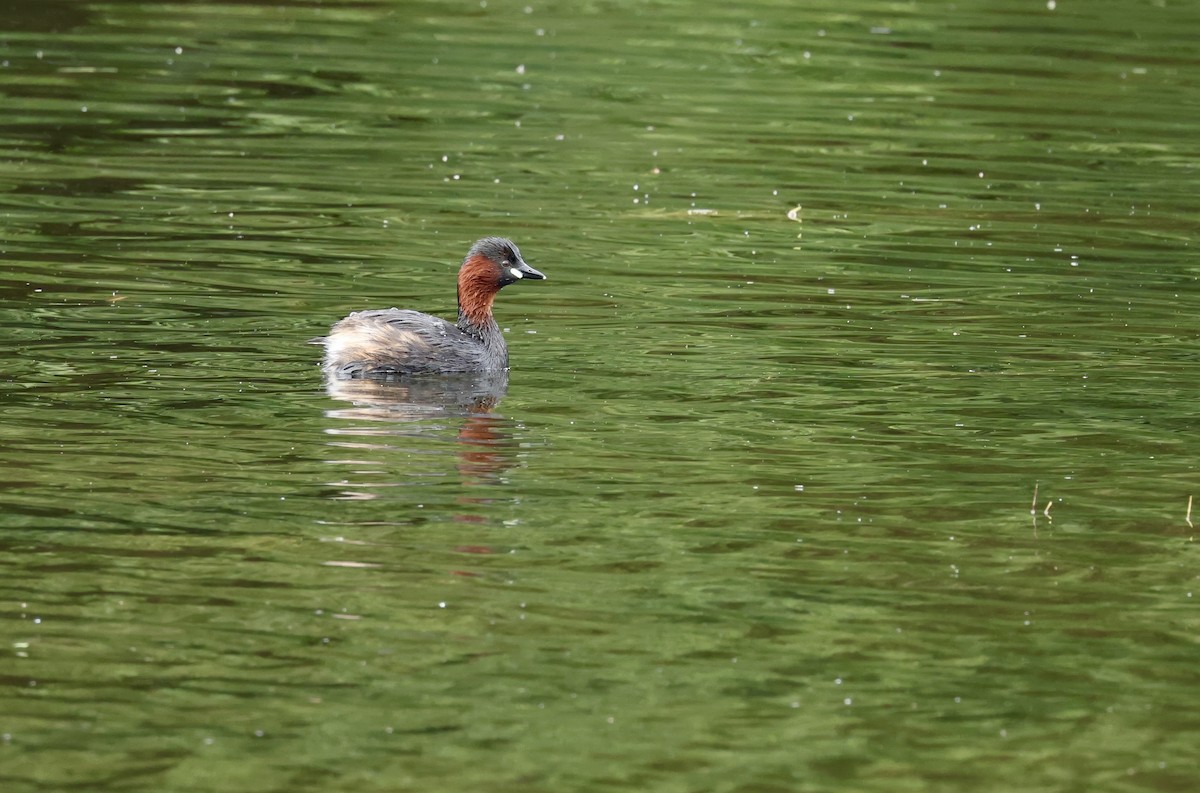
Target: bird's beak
528	272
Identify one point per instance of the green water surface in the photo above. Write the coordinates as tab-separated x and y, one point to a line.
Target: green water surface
832	288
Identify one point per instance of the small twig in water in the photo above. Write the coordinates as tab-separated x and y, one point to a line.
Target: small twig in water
1188	517
1049	504
1033	506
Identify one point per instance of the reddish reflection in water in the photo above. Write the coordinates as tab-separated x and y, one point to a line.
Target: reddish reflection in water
423	411
397	438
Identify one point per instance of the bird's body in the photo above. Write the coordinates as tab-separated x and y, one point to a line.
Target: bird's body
392	342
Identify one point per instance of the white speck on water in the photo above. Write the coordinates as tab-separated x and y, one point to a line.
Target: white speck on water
520	68
441	604
1051	4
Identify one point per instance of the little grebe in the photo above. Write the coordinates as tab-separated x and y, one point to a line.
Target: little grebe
391	342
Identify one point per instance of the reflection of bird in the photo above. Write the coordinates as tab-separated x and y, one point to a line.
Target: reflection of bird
394	415
413	398
386	343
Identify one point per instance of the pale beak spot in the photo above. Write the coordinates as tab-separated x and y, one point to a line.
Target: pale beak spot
515	273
